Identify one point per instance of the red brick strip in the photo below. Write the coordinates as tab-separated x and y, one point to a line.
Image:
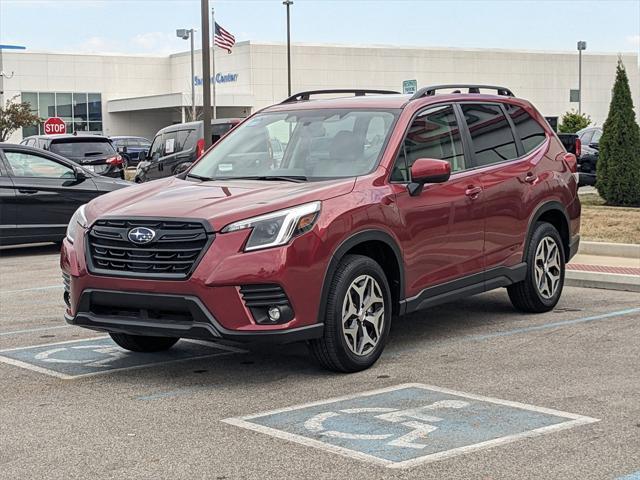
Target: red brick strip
581	267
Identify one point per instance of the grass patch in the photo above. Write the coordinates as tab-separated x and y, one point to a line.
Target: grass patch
601	223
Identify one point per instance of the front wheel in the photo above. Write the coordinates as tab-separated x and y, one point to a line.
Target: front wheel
140	343
540	290
357	318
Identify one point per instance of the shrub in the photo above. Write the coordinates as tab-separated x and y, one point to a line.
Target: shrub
572	121
618	168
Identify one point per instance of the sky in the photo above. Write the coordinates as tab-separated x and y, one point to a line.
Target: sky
148	27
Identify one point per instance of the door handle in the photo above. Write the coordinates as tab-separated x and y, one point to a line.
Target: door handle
28	191
531	178
473	192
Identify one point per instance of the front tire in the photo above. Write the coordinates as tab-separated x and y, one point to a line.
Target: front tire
541	289
140	343
357	318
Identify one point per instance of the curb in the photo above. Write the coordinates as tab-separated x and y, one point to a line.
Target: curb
626	250
607	281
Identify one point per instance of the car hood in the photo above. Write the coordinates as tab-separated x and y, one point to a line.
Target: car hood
219	202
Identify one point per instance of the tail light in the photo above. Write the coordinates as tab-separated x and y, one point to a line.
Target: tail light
578	148
115	161
571	162
200	148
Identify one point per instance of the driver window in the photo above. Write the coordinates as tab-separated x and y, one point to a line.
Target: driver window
433	134
29	165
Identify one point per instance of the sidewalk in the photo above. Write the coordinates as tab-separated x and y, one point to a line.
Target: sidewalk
620	270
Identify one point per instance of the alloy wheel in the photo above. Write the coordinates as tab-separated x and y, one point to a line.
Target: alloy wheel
363	315
547	267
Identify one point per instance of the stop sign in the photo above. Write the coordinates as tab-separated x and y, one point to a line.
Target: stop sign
54	125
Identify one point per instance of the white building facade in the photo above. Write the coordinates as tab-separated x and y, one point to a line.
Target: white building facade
134	95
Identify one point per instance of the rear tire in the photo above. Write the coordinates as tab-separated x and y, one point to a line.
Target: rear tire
541	289
357	318
140	343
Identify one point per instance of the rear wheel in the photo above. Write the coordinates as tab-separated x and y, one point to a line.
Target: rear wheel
358	316
542	286
140	343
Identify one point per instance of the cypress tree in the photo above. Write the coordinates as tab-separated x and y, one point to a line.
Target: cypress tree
618	168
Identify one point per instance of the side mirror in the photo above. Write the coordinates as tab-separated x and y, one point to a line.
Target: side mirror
183	167
428	170
80	174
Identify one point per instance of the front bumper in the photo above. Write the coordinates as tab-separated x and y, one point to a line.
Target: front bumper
210	303
168	316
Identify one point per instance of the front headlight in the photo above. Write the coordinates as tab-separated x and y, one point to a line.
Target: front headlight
279	227
78	220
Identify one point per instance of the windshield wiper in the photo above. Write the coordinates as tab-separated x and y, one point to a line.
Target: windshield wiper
204	179
278	178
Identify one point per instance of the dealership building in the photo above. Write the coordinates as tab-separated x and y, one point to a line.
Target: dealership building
138	95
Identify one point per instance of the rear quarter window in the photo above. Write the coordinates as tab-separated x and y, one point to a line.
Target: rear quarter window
528	129
491	135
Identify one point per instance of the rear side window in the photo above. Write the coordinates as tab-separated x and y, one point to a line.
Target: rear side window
530	131
491	135
170	140
186	140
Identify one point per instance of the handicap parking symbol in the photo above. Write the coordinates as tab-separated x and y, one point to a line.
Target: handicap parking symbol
408	424
95	356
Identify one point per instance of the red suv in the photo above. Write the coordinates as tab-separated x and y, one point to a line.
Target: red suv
381	204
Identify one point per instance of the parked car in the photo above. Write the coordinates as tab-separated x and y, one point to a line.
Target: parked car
131	149
39	191
590	139
176	147
93	152
382	205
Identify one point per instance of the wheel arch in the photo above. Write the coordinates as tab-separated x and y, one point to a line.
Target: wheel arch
555	213
381	247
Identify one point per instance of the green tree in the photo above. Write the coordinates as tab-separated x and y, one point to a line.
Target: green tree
572	121
15	115
618	168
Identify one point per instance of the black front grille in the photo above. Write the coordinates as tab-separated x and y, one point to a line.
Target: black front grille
172	254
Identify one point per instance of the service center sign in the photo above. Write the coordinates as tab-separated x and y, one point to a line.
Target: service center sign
54	126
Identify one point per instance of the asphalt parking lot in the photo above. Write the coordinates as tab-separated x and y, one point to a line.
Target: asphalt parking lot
467	390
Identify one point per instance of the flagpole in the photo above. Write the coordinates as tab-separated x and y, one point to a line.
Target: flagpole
213	61
206	74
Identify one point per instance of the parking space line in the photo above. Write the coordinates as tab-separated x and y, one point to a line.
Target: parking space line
31	330
250	422
33	289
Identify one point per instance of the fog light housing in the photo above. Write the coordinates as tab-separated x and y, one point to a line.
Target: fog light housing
274	314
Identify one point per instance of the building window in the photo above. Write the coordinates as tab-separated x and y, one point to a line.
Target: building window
82	112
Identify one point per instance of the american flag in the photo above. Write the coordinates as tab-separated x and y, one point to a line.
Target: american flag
223	39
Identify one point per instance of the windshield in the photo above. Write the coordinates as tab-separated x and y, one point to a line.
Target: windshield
82	149
302	144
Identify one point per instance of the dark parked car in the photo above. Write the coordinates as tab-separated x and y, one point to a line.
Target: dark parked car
131	149
382	205
93	152
39	191
174	148
590	139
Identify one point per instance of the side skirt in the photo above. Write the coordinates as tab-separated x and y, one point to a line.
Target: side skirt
464	287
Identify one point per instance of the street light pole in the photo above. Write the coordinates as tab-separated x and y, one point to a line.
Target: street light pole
288	3
581	46
185	34
206	73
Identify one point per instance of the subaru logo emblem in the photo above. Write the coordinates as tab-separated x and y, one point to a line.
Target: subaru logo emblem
141	235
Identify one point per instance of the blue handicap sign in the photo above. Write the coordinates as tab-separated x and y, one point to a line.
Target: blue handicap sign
94	356
408	424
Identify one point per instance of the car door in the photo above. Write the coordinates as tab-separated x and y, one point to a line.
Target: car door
443	237
7	205
47	193
507	147
171	147
156	151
